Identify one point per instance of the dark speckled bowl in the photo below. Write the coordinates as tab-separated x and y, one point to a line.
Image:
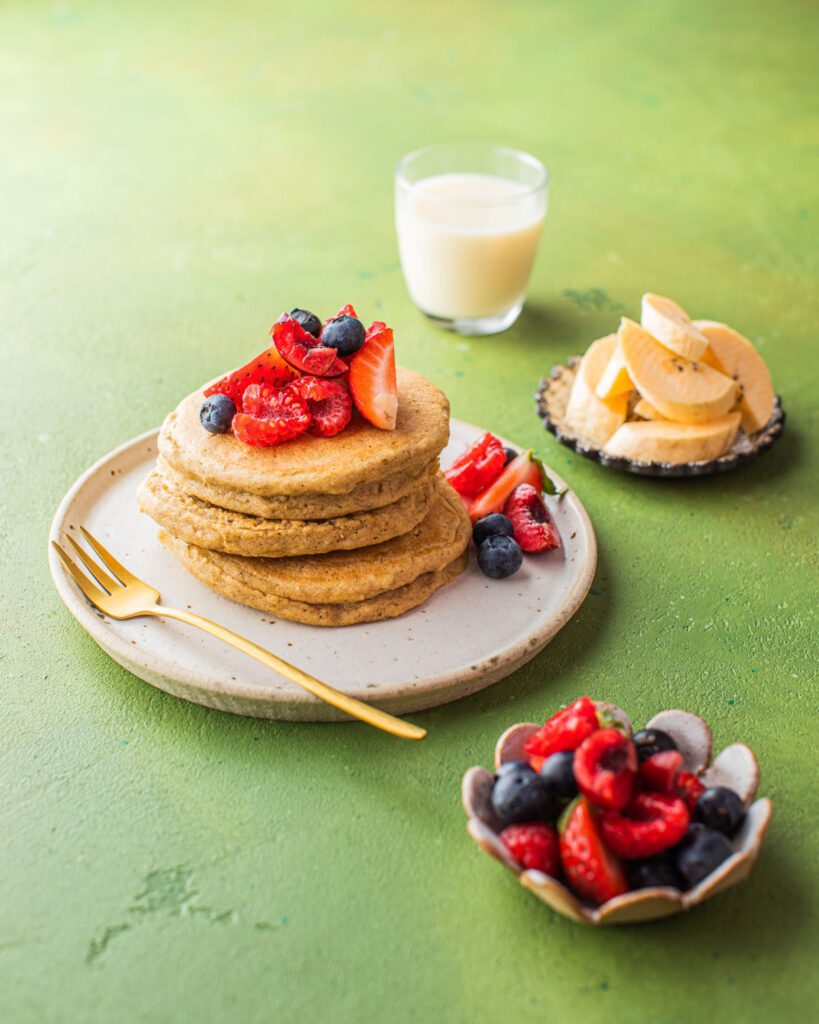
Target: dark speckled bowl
553	394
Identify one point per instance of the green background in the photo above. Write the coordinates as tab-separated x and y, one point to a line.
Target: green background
173	175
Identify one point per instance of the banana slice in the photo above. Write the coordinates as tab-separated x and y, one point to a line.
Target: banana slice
587	416
736	357
678	388
661	441
615	380
672	326
646	411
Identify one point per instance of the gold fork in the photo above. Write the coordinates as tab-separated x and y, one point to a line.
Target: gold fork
123	596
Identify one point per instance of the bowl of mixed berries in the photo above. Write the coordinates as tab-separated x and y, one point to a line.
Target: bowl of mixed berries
612	826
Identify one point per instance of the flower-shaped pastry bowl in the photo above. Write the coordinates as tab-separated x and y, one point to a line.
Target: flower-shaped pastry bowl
735	767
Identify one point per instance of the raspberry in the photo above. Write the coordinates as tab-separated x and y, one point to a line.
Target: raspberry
534	529
268	369
661	771
479	465
533	846
592	871
565	730
329	403
271	416
652	823
690	789
304	352
605	766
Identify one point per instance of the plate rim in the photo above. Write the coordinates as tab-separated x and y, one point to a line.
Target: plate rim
246	698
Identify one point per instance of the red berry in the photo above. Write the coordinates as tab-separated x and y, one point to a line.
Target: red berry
479	465
300	349
271	415
565	730
344	311
534	529
652	823
328	402
605	767
268	369
533	846
372	378
690	789
661	771
592	871
525	469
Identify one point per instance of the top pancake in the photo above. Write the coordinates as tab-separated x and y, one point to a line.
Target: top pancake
312	465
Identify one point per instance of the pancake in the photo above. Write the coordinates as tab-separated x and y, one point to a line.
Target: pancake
197	522
308	465
304	506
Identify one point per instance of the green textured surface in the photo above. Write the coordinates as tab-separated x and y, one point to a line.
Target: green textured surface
171	176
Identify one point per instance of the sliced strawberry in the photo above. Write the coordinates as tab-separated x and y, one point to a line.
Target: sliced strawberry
372	378
660	772
304	352
271	416
344	311
533	526
605	767
329	403
478	467
690	789
534	846
652	823
268	368
565	730
592	871
525	469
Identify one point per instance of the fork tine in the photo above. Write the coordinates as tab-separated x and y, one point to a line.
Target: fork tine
110	562
99	574
94	594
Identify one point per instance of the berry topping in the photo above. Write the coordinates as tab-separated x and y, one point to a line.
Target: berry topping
534	530
533	846
565	730
652	741
347	310
523	469
372	378
479	465
592	871
345	334
720	809
499	557
268	369
216	414
271	416
653	822
700	853
558	774
495	525
605	766
510	453
328	402
309	321
661	771
519	795
656	871
303	351
690	789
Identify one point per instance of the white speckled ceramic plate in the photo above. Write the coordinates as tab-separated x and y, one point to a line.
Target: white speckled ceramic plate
468	635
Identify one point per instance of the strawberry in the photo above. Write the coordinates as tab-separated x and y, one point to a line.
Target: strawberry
271	415
372	378
652	823
592	871
690	789
660	772
534	846
303	351
268	369
605	766
525	469
328	402
533	526
565	730
344	311
479	465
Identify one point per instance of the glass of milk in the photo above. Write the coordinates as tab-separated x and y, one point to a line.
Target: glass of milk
468	218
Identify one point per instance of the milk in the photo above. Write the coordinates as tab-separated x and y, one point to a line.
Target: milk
467	242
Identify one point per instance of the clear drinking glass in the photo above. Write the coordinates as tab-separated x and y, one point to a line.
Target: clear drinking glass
468	218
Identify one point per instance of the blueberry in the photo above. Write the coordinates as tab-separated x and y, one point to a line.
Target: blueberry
346	335
494	525
701	851
309	321
216	414
519	795
499	557
721	809
652	741
510	454
558	774
662	871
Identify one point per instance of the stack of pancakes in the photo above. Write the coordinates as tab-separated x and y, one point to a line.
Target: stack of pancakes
327	531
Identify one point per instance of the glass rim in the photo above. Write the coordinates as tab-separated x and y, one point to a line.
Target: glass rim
523	157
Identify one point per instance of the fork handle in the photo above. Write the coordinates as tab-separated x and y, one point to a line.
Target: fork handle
356	708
